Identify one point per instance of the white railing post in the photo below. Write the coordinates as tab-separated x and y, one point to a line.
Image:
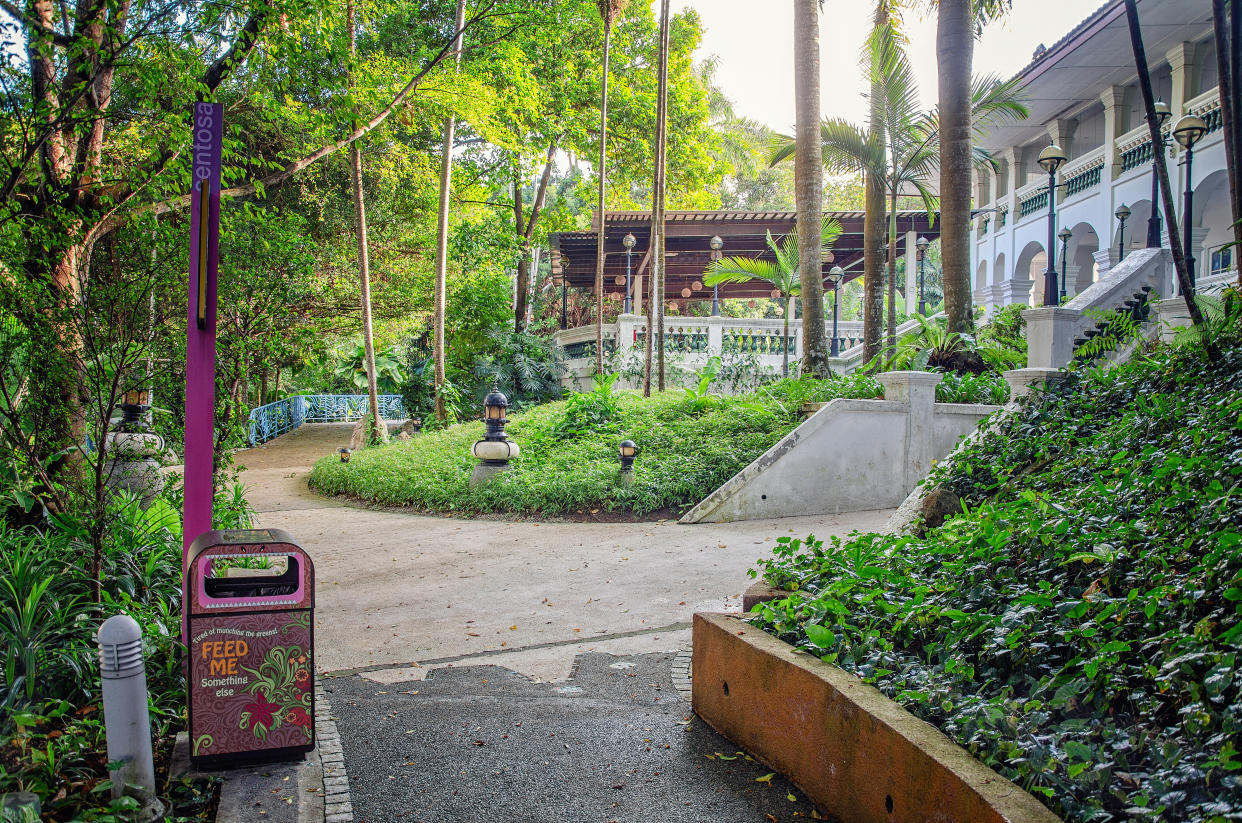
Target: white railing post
715	336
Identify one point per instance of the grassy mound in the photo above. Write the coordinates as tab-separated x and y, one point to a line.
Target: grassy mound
1077	627
689	444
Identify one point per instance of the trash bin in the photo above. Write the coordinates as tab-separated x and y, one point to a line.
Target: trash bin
250	595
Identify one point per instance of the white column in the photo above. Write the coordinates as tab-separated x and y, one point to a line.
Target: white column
918	389
1116	123
1182	62
1104	259
715	335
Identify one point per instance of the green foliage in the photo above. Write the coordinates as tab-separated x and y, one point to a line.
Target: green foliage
353	367
51	734
1221	315
985	387
699	396
932	346
1115	329
526	367
569	458
1078	626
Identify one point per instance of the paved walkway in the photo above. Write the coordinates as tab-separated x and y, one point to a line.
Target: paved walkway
511	607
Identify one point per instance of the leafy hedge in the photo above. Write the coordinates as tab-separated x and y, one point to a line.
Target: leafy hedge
1077	626
52	738
690	442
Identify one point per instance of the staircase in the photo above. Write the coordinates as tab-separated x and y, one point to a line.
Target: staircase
1055	333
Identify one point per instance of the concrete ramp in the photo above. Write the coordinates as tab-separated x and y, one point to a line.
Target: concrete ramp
851	455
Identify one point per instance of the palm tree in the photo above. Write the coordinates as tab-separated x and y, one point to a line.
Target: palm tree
809	185
908	154
957	24
783	272
873	219
608	10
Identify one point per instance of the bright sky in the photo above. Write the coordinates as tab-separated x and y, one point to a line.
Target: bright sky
754	41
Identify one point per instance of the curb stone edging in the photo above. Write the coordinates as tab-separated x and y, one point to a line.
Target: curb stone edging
337	806
681	672
853	751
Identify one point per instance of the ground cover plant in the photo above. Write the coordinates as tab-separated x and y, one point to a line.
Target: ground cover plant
1077	625
51	726
690	442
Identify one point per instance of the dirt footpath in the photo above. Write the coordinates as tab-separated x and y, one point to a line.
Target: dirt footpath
399	594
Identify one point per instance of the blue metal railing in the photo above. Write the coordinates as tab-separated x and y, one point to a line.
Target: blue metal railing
274	419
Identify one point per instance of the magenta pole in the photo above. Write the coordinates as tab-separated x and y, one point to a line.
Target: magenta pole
200	348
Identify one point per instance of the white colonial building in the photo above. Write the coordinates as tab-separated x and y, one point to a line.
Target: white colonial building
1083	95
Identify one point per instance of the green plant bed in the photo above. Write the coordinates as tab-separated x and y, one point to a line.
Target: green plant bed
690	442
1077	626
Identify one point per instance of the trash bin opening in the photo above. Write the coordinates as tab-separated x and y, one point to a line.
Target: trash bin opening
259	584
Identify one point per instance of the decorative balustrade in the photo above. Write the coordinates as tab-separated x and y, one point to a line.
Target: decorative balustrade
1035	201
758	341
1083	173
586	348
274	419
1207	106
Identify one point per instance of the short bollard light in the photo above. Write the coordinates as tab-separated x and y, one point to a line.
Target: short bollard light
134	404
127	724
345	453
628	451
495	450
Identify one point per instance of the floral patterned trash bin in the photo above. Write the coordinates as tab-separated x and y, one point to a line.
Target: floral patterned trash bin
251	597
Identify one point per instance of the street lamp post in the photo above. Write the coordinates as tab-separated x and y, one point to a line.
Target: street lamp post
1051	159
1122	214
1153	223
717	244
628	241
921	245
1188	131
564	289
1065	235
835	274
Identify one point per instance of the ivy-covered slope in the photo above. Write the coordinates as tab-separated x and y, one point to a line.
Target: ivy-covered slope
1077	627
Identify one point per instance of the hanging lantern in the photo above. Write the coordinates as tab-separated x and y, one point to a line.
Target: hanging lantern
685	292
672	305
618	280
776	294
697	285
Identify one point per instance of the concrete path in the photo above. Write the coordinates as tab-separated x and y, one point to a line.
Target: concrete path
487	670
396	589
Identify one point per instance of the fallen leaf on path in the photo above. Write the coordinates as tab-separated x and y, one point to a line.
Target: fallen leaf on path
791	797
767	778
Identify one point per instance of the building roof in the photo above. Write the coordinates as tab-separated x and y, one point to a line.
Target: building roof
688	254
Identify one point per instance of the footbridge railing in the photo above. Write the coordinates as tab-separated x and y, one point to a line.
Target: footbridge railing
274	419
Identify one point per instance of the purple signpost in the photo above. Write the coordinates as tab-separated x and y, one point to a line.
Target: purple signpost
200	344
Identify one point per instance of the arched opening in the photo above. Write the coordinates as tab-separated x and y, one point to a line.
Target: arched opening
1030	266
1080	271
998	270
1211	231
981	276
1136	229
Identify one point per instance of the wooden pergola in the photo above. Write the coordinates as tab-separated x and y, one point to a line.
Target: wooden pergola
688	253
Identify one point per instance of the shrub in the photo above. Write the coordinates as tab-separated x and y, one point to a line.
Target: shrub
1077	627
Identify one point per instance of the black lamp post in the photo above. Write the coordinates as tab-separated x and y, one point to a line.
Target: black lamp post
717	244
564	288
495	449
494	420
1153	223
134	404
1051	159
1065	235
627	451
628	241
835	275
921	244
1122	214
1188	131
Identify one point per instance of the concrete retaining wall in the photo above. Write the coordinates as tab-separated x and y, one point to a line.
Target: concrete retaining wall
851	455
849	748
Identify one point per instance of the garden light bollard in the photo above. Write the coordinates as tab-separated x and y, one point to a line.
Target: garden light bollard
126	721
627	451
495	450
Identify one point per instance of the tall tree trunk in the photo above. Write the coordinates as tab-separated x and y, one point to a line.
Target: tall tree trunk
378	430
656	310
954	52
891	273
442	221
809	187
603	180
1227	57
1162	174
873	221
526	233
789	307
